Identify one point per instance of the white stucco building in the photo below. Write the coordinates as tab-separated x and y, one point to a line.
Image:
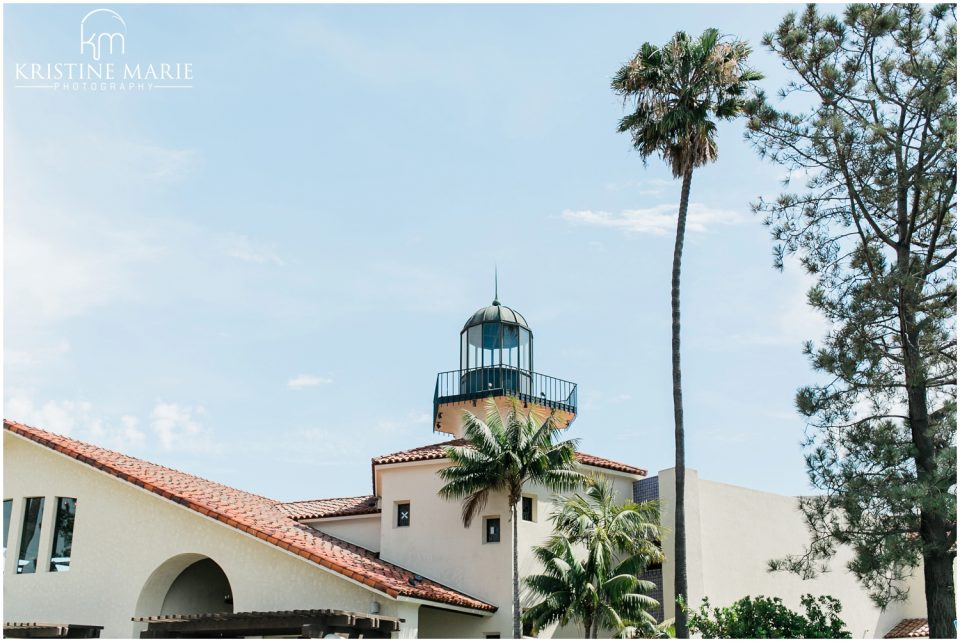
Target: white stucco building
96	540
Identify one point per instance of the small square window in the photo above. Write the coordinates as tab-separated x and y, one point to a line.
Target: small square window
492	530
526	508
403	514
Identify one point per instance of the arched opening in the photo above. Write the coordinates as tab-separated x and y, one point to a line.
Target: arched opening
184	584
202	587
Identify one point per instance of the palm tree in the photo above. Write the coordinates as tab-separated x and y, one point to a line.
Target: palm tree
500	457
603	591
678	91
572	590
566	586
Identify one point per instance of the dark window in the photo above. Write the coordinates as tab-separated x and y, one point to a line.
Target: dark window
526	508
492	636
403	514
7	507
30	535
63	538
493	529
7	513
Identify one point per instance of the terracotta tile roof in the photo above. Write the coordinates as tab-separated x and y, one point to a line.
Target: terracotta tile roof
910	628
602	462
259	516
334	507
435	451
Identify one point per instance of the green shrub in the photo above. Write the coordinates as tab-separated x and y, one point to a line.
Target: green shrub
767	617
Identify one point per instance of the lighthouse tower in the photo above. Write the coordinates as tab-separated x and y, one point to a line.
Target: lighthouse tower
496	361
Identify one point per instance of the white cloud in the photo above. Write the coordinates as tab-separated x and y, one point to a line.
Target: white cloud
308	381
172	427
79	420
126	436
658	220
178	428
242	248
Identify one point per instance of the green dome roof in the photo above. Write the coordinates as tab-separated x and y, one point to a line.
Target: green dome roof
496	313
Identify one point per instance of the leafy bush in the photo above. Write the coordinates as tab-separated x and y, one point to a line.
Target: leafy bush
767	617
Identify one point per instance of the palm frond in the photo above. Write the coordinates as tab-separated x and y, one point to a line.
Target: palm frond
678	90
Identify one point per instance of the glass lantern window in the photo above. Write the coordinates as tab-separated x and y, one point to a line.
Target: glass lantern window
473	347
491	344
525	359
511	346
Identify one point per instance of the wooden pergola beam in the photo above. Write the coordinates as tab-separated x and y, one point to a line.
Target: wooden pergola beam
304	624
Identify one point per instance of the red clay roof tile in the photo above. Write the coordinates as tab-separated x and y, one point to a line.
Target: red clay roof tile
333	507
262	517
910	628
436	451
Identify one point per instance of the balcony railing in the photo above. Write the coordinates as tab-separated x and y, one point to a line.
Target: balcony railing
477	383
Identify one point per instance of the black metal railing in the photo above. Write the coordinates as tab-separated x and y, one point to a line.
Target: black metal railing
526	385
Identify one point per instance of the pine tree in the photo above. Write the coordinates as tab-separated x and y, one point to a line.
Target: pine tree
876	225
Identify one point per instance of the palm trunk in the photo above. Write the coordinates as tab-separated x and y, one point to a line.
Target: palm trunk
680	529
587	626
517	627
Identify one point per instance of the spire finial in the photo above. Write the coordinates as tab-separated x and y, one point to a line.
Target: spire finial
496	287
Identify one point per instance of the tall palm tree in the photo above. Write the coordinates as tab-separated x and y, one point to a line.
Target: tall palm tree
501	456
603	591
678	92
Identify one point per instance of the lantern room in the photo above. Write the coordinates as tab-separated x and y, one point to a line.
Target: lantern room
496	361
496	350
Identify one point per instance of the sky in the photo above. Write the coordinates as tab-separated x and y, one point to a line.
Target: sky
255	277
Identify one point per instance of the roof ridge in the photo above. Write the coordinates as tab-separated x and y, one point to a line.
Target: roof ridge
449	442
431	452
324	499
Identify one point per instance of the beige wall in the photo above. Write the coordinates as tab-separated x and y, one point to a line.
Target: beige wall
731	534
126	538
362	531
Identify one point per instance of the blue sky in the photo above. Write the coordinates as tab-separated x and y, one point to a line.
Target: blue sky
257	279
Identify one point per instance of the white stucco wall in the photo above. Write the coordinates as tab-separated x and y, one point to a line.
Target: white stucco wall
123	534
363	531
732	533
438	546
